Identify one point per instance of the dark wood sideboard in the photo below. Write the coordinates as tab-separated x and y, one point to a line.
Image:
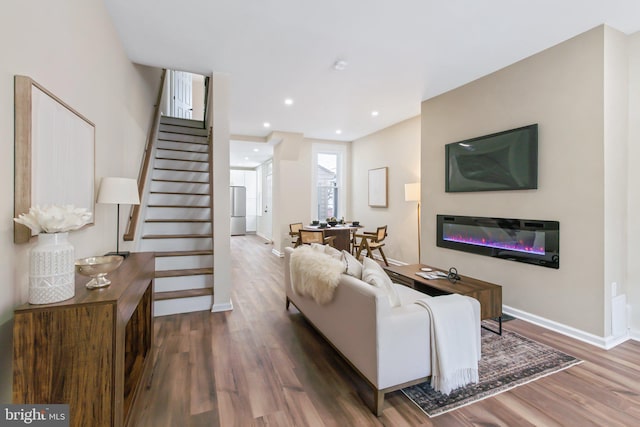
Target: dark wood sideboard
93	351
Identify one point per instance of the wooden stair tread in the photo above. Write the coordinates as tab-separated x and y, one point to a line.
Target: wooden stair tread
179	193
179	170
180	180
177	236
181	273
179	121
159	296
183	130
156	220
182	253
182	160
183	151
177	206
197	139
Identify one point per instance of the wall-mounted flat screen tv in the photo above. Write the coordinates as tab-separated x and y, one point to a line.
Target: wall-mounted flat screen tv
501	161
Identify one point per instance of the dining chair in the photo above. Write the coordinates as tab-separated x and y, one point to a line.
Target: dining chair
294	232
308	237
371	241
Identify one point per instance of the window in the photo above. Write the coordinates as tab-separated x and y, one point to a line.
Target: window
328	182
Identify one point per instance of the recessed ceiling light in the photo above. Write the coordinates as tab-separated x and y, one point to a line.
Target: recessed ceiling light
338	131
288	101
340	65
255	150
374	113
266	124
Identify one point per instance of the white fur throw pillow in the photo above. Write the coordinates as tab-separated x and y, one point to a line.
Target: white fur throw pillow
374	275
351	265
314	274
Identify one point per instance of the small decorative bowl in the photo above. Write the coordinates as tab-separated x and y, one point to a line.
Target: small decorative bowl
97	267
323	225
332	223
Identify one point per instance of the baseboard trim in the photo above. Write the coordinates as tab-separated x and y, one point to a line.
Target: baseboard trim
277	253
634	334
226	306
264	237
605	343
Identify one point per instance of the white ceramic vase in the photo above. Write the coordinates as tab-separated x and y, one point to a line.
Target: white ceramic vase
51	269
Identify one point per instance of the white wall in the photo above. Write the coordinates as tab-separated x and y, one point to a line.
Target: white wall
563	90
70	48
633	173
616	105
219	93
292	163
398	148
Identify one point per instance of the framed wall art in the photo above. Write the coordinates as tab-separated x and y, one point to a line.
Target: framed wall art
378	187
54	153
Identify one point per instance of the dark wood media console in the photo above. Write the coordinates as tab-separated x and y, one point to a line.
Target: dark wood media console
489	294
93	351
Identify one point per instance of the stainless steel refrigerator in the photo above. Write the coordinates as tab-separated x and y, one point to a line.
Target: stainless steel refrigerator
238	210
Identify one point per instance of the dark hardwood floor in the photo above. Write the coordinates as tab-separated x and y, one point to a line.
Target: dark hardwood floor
260	365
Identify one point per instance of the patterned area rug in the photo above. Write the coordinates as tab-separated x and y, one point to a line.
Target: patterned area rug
507	361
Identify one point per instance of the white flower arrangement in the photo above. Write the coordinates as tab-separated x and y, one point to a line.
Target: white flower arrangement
54	218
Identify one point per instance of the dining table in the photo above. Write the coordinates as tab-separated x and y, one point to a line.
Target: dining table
343	233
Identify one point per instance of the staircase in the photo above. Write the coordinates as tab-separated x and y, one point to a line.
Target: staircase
178	218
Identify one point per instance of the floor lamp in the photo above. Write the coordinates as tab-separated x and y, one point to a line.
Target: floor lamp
412	194
118	191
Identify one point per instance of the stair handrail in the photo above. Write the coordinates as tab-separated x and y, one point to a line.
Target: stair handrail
207	80
146	159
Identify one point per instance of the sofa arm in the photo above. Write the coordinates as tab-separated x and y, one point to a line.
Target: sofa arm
403	345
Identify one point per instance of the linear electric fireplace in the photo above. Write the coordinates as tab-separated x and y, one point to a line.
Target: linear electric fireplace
531	241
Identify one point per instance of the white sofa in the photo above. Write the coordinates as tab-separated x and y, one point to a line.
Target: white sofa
388	346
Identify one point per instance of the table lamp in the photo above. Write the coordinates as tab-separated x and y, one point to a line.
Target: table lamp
118	191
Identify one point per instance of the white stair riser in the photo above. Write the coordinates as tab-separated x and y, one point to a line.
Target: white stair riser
166	120
165	284
183	213
167	245
180	164
199	177
192	146
182	155
183	262
182	305
182	130
178	199
183	187
176	228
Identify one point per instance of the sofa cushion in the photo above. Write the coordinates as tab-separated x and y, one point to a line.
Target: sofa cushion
352	266
374	275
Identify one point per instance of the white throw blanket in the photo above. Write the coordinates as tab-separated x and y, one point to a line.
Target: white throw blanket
454	342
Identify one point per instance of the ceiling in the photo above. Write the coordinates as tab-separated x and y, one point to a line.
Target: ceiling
397	53
247	154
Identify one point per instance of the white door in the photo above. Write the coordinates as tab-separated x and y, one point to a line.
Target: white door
268	196
181	94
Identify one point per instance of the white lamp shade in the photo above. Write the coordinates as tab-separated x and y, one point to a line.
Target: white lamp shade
123	191
412	192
